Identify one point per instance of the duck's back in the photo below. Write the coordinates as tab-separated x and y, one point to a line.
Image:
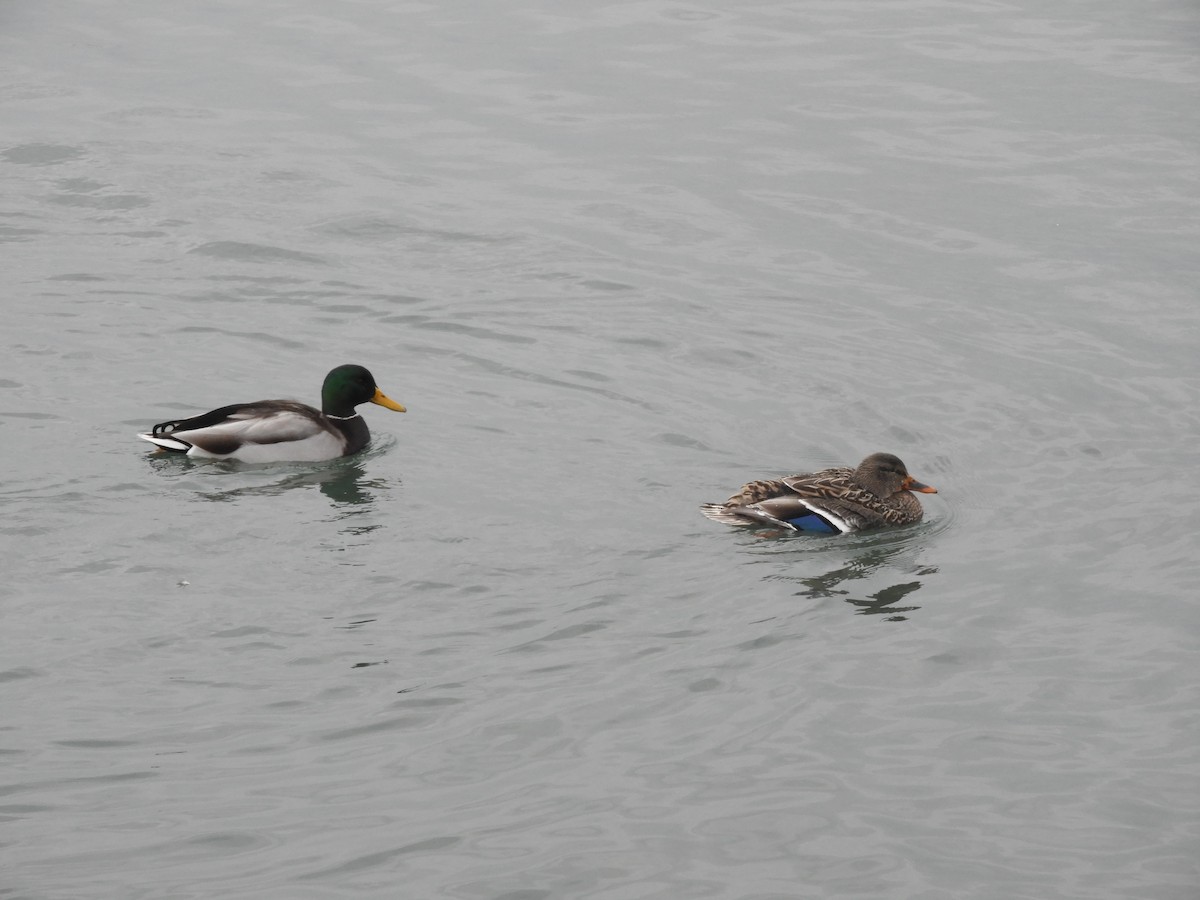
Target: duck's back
818	483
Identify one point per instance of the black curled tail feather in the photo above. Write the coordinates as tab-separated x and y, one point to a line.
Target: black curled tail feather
209	419
166	427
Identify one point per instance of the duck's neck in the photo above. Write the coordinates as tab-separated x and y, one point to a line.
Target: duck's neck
353	429
335	407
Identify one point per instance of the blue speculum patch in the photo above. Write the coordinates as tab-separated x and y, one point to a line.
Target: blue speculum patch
813	522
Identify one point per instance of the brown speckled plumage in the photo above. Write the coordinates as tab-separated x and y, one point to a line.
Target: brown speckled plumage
874	495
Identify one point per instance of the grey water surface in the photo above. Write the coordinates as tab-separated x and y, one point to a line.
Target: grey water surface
616	258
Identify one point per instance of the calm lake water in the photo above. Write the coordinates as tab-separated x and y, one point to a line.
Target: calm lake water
616	259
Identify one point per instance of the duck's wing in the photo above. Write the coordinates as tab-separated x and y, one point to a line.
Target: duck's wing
835	495
769	502
266	431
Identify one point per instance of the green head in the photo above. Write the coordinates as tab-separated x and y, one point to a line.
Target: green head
348	386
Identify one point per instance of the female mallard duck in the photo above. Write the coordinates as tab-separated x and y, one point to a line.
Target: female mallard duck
281	430
833	501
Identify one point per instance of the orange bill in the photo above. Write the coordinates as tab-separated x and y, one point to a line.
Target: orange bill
911	484
384	400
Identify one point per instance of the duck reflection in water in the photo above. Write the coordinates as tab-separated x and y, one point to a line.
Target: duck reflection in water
875	574
343	481
883	602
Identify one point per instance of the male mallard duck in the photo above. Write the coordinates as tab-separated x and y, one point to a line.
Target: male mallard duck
833	500
281	430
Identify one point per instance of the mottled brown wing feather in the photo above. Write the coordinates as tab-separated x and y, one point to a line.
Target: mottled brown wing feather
758	491
857	506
